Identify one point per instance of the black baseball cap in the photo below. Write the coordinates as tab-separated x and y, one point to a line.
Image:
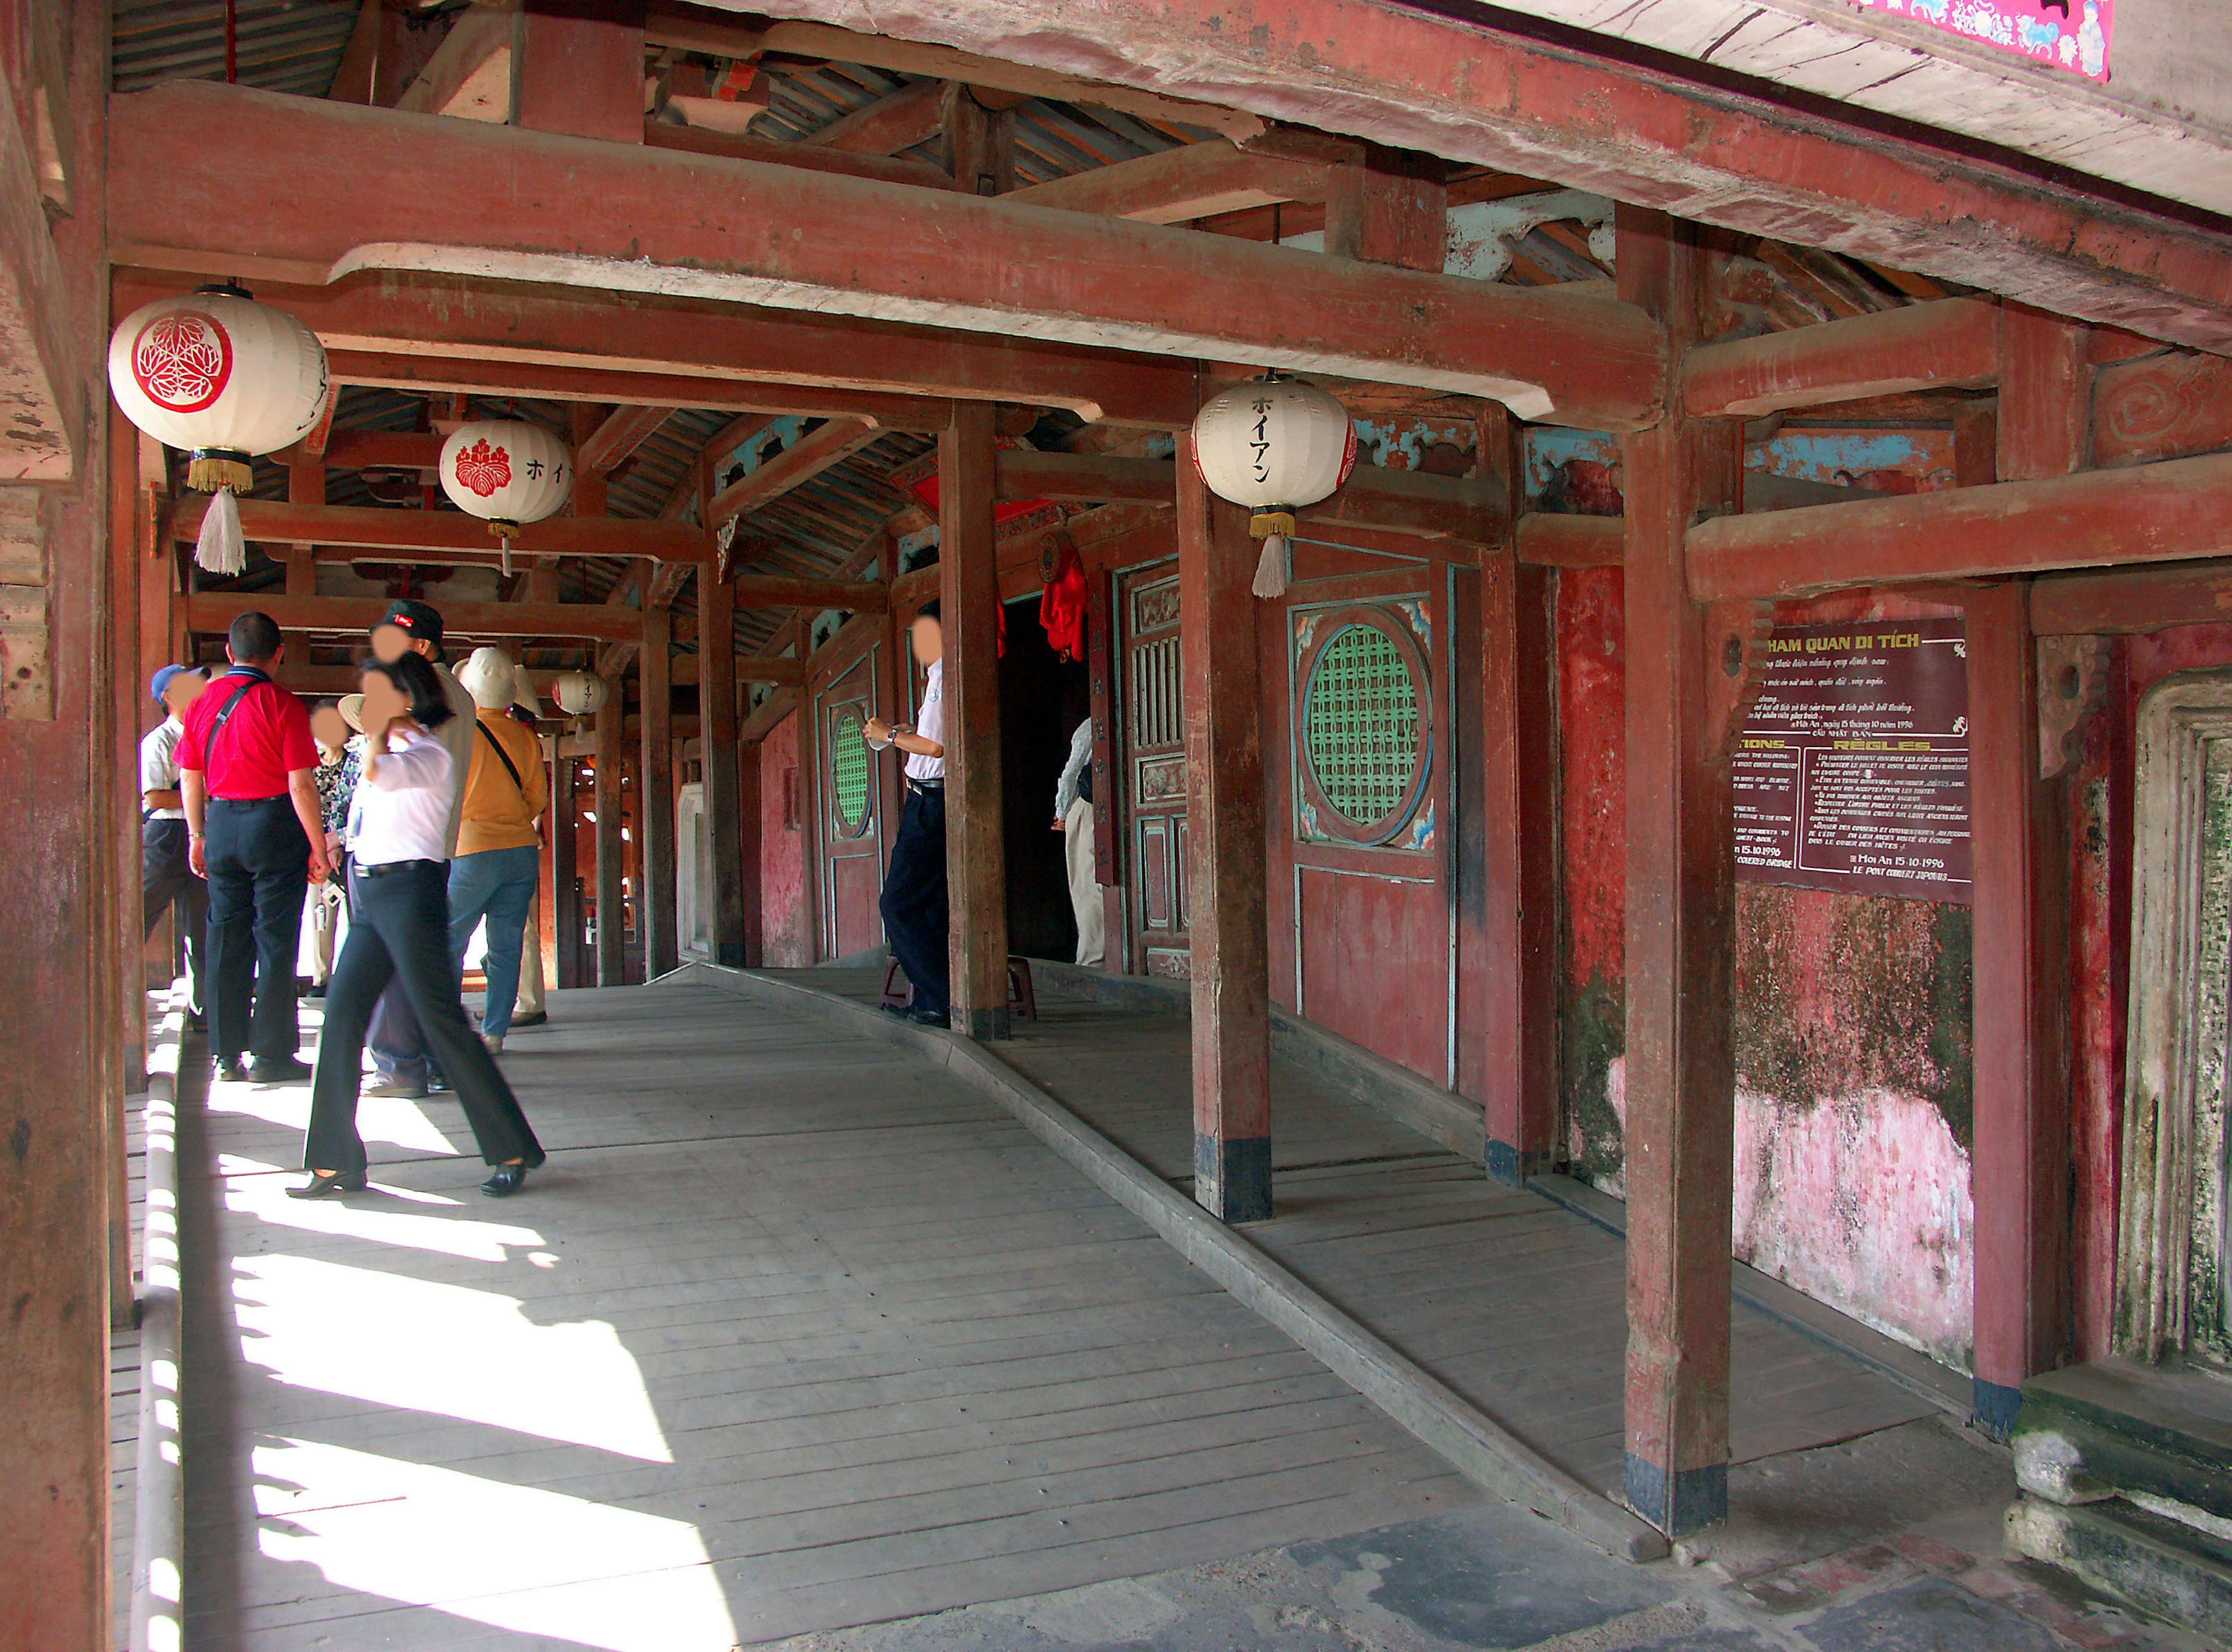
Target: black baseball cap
422	621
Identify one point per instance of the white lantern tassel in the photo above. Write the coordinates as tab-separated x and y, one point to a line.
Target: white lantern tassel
220	549
1271	567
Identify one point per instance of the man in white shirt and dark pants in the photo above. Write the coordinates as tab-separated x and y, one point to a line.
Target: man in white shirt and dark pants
167	879
917	921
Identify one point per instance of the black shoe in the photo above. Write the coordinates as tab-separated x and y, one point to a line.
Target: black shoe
535	1019
322	1186
900	1010
408	1091
922	1017
504	1180
317	990
195	1022
287	1070
230	1069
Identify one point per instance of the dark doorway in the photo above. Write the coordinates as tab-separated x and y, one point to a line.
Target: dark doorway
1042	699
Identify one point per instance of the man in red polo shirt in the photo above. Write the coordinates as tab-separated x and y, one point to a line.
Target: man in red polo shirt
247	770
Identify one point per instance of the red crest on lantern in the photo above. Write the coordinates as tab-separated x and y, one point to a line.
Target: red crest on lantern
483	468
181	360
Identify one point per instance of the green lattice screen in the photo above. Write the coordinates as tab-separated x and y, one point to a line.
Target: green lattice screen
848	770
1361	724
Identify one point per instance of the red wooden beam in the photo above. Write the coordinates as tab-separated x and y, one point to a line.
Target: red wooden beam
2179	510
769	152
900	120
1435	508
1544	538
1953	342
372	528
785	590
659	221
436	374
212	611
718	356
2122	601
1174	185
1472	89
374	450
796	465
623	432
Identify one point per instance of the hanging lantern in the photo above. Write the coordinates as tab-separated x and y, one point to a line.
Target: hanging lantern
506	472
579	694
1272	444
219	375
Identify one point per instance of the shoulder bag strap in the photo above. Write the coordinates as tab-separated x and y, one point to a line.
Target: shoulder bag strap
504	757
224	715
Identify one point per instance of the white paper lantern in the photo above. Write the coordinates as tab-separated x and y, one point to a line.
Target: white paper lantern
506	472
579	694
218	374
1272	444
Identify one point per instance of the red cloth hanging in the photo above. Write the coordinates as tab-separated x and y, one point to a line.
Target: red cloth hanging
1062	605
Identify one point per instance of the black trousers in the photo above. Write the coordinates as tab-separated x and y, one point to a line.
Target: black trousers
259	871
400	931
917	921
168	879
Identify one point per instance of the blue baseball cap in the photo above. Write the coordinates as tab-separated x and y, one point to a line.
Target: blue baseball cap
161	680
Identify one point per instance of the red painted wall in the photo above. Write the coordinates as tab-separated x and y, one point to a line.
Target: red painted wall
787	934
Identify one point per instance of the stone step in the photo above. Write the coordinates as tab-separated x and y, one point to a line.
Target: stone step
2113	1426
2158	1565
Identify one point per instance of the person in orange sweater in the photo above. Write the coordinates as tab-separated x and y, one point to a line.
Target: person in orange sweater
499	858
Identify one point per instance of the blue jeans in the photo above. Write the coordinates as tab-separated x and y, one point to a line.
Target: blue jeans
497	885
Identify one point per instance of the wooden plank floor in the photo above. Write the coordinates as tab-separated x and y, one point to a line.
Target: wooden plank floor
794	1332
1516	1303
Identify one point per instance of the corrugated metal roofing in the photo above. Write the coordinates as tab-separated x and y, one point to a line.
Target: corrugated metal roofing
279	45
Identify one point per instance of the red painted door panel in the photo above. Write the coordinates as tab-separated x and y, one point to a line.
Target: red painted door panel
849	811
1375	963
1356	761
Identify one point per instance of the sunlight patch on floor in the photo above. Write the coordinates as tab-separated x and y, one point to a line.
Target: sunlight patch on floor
394	1120
257	1190
514	1556
444	1350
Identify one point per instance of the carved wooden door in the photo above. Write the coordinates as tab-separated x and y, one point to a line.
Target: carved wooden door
850	809
1153	771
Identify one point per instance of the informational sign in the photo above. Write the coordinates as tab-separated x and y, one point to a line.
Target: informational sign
2068	34
1852	772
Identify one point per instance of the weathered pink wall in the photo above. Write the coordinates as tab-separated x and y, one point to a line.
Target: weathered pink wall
787	931
1852	1091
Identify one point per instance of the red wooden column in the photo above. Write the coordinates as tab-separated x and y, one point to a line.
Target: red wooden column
969	602
60	1061
1681	926
655	802
611	905
566	872
2021	1175
1506	841
732	921
1227	867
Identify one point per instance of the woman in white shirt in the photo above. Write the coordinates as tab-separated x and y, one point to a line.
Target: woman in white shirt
399	929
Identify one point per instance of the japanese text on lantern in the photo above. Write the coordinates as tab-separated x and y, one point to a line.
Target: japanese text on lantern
1852	772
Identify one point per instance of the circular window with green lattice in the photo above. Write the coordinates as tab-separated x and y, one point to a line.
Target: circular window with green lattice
848	774
1363	732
